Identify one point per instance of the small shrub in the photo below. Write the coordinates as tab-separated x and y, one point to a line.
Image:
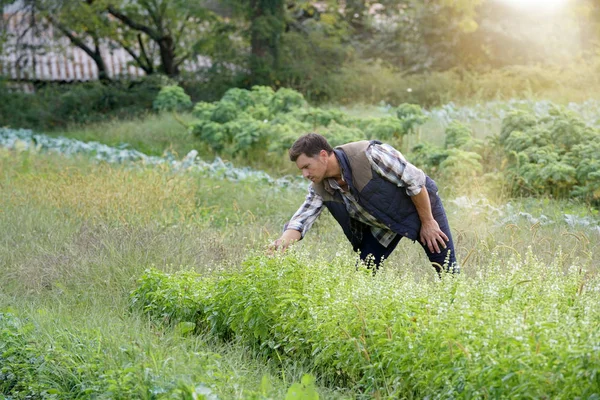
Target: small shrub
172	98
411	117
395	336
555	155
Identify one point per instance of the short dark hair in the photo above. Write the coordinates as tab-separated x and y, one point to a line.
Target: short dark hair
310	145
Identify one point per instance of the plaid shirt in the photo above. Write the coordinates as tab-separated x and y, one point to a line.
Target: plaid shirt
391	165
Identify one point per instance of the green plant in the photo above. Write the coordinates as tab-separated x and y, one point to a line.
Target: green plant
172	98
387	336
554	155
411	116
458	164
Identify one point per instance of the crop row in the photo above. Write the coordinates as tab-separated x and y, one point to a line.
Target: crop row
24	139
517	330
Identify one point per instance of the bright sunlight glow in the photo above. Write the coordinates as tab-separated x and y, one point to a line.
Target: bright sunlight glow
537	5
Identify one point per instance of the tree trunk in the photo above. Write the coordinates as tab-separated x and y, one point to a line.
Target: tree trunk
167	56
267	25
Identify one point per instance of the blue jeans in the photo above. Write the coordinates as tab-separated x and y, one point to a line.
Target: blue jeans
443	261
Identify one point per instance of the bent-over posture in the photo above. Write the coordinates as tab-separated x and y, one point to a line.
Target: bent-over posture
375	195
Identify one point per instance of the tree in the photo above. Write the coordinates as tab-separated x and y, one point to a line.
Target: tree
173	26
4	21
314	48
83	23
416	35
24	39
267	25
587	15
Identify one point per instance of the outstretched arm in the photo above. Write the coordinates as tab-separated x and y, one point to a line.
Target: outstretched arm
300	222
287	238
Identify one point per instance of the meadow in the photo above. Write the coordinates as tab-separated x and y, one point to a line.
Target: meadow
130	280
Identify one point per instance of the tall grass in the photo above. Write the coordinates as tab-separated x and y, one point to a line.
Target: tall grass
375	82
152	134
75	236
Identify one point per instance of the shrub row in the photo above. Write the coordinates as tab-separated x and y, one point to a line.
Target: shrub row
31	369
555	154
261	119
521	330
55	106
74	366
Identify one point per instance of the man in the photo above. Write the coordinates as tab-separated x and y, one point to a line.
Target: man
375	195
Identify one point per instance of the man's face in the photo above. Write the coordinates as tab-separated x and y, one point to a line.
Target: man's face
313	168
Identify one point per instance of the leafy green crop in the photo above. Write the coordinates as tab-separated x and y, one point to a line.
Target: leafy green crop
172	98
458	162
261	120
525	330
556	155
411	116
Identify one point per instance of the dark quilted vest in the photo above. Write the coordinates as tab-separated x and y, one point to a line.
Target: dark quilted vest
381	198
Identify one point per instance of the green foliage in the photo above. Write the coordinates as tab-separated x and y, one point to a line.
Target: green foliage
458	163
457	135
391	336
319	116
303	390
428	157
411	116
31	369
55	106
460	167
203	110
172	98
385	128
555	155
286	100
225	111
261	120
18	360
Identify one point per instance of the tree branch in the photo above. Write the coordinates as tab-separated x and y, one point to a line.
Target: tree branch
74	39
138	59
183	58
144	54
132	24
183	26
152	9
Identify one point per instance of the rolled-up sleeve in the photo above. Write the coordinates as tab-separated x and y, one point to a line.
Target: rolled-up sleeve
391	164
307	214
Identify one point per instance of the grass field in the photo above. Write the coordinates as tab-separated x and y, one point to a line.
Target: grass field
77	235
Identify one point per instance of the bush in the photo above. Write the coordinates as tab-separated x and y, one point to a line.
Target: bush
554	155
172	98
459	338
54	106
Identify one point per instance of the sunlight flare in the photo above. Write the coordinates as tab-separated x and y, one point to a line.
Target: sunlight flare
537	5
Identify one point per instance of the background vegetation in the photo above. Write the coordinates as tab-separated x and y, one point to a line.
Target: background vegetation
131	268
79	235
398	52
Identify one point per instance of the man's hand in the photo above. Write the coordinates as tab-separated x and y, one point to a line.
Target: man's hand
432	236
289	236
